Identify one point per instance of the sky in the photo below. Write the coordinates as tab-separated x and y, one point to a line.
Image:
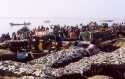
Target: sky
63	8
18	10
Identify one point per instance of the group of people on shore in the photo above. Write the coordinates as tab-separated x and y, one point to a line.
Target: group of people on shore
44	37
56	37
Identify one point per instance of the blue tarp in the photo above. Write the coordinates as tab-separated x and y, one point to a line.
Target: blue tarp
22	55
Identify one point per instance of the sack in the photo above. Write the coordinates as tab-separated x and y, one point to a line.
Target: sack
22	55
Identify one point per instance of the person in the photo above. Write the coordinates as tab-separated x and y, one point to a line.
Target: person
14	36
51	30
8	36
18	35
72	35
58	40
84	35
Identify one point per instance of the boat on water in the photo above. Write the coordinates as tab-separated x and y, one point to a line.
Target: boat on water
47	21
17	24
106	20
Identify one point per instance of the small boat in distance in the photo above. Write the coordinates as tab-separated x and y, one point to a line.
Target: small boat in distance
106	20
47	21
17	24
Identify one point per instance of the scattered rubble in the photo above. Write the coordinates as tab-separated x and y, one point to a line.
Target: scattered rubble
42	67
83	65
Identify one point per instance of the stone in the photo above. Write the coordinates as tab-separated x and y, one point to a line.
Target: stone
100	77
37	73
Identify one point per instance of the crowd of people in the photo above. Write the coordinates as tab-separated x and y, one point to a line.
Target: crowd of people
44	37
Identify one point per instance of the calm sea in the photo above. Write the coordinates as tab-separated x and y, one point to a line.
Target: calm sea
5	26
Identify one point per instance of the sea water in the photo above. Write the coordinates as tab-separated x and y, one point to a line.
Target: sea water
5	26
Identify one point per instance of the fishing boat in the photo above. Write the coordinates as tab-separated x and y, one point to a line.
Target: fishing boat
47	21
18	24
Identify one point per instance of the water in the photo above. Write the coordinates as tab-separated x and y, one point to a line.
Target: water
5	26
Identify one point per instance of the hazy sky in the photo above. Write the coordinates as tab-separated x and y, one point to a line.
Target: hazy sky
63	8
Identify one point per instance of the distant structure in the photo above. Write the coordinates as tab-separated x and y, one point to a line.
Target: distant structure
47	21
18	24
106	20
